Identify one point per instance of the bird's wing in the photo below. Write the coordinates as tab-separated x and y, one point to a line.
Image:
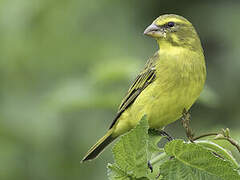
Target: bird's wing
146	77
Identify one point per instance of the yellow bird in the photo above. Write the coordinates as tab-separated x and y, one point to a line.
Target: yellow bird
171	81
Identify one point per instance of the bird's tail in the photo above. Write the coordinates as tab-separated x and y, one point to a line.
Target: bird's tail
97	148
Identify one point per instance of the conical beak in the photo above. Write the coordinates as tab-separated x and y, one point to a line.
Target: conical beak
151	30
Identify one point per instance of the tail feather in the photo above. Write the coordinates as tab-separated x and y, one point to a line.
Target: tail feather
96	149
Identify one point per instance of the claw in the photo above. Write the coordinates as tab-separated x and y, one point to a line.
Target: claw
150	166
163	133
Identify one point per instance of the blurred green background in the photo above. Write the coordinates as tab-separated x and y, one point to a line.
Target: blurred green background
65	66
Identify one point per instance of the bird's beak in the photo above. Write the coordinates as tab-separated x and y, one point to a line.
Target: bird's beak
153	31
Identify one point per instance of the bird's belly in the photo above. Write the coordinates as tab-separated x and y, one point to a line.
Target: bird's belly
161	105
166	106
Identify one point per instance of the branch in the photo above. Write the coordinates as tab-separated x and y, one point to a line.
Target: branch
224	135
205	135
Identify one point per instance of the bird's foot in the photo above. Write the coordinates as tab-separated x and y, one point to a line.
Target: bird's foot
186	124
161	133
164	133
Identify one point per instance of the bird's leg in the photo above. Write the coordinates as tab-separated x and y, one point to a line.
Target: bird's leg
186	124
161	133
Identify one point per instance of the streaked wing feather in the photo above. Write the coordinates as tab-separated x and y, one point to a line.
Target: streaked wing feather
145	78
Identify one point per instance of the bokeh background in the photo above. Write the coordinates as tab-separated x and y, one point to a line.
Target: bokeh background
65	66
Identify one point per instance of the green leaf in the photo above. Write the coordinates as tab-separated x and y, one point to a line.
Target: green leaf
191	157
130	152
115	173
219	150
176	170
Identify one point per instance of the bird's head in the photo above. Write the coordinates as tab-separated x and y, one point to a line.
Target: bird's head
174	30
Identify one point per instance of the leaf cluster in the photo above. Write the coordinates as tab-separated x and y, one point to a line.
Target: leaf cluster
177	160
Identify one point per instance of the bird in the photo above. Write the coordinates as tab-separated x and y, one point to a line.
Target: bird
169	84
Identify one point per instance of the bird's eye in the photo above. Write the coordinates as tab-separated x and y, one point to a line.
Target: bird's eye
170	24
